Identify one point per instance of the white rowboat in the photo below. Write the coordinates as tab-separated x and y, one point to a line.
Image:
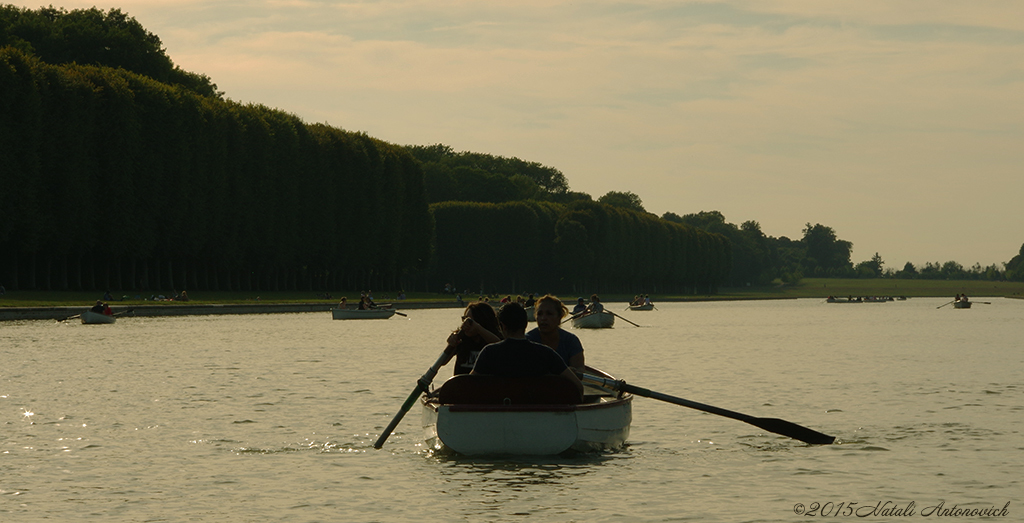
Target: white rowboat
962	304
594	320
365	314
647	307
487	415
96	318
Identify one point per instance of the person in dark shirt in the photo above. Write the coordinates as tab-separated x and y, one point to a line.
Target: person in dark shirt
515	356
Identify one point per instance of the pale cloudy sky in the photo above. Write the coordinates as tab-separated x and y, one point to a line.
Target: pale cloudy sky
899	124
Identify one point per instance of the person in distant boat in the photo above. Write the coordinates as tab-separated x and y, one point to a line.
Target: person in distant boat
647	299
364	303
343	304
479	328
549	313
595	304
102	308
963	298
529	302
518	357
580	307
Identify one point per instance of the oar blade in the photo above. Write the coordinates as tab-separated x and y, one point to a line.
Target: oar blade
792	430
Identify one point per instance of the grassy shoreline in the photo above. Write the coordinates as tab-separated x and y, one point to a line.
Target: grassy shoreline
807	288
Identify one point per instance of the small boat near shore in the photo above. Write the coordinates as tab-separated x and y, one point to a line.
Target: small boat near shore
362	314
962	304
645	307
594	320
97	318
542	416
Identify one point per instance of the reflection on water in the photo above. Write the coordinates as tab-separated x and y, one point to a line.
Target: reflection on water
273	417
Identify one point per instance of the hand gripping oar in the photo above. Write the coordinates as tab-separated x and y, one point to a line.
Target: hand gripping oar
422	385
778	426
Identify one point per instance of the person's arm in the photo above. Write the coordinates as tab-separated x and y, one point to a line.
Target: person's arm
472	328
577	361
571	376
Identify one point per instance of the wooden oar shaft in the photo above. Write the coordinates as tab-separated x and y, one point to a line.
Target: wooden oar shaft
625	320
422	385
944	304
778	426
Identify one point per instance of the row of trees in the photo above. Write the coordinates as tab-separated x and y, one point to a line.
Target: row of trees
583	246
114	180
122	172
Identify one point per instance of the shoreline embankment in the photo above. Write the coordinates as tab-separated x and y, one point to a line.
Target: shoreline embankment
61	313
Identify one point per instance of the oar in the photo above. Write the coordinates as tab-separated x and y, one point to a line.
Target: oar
943	305
70	318
574	316
778	426
401	314
129	311
624	319
422	385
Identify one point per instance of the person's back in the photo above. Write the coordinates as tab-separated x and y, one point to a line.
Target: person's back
517	357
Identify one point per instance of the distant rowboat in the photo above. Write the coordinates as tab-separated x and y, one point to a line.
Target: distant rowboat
645	307
97	318
962	304
362	314
594	320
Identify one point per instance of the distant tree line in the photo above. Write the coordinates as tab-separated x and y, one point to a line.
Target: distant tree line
583	246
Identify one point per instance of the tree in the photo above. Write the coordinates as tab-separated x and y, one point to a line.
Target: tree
625	200
827	255
1015	267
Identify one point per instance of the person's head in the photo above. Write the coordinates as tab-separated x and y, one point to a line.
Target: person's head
483	313
579	300
594	298
512	318
549	312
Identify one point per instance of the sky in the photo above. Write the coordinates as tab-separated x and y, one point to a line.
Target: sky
898	124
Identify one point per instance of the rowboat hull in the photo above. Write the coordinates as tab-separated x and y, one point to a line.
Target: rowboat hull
961	305
95	318
508	426
594	320
367	314
648	307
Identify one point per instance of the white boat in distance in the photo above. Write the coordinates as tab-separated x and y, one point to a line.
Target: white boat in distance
594	320
364	314
96	318
645	307
487	415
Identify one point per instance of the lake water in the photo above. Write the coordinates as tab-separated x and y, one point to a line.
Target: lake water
272	418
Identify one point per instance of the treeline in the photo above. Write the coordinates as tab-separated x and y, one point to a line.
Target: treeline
120	171
582	246
113	180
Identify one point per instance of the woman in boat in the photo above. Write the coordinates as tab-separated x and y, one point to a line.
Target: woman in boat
479	328
595	304
549	312
518	357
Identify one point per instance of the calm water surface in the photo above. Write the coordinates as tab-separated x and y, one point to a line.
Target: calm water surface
272	418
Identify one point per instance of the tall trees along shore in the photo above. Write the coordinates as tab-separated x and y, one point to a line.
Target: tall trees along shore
111	179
